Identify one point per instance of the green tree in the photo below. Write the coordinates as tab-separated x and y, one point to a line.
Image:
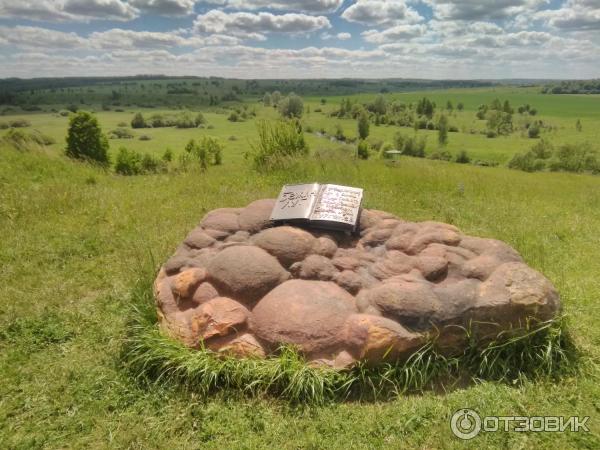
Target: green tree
443	130
578	126
363	125
460	106
449	106
275	98
291	106
213	149
138	121
85	139
379	106
267	99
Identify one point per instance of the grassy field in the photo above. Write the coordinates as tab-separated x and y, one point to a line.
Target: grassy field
560	112
75	239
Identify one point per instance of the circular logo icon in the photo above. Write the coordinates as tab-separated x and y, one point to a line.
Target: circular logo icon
465	424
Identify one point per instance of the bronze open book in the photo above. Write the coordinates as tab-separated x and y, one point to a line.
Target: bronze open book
327	206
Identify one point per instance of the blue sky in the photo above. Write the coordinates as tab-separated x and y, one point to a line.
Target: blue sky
302	38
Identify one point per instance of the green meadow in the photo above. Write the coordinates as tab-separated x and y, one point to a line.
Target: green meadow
77	238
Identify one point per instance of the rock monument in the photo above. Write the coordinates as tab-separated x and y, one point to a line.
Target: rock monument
239	286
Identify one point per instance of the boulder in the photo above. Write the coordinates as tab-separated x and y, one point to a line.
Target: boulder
245	273
309	315
239	287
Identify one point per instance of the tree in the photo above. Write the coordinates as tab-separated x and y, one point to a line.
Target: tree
138	121
363	125
379	106
578	126
85	139
534	130
291	106
275	98
267	99
443	130
460	106
425	107
449	106
200	120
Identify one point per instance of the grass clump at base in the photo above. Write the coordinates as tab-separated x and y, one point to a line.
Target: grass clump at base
544	351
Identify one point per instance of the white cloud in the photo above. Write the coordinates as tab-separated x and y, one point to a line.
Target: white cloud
309	6
399	32
165	7
243	23
344	36
574	15
381	12
100	9
34	37
68	10
481	9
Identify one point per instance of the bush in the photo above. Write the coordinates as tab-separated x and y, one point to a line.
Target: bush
145	137
575	158
3	125
185	120
533	131
167	155
128	162
85	139
338	132
200	120
443	155
138	121
363	150
120	133
291	106
19	123
463	157
277	143
410	146
233	117
18	139
41	139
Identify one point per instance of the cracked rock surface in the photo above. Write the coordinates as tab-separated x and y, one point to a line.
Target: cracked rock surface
238	286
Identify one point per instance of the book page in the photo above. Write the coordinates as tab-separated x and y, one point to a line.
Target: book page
338	204
295	201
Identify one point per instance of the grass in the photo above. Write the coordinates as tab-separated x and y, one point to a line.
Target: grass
76	238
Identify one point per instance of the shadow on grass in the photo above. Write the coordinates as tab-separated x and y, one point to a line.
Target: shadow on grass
545	352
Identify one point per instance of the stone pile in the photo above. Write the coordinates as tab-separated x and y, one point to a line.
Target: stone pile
236	285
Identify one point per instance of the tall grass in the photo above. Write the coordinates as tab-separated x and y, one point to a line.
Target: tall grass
543	351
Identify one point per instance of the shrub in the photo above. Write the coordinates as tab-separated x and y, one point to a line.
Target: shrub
463	157
3	125
138	121
534	130
338	132
363	150
64	113
167	155
122	124
443	155
200	120
128	162
18	139
120	133
232	138
291	106
19	123
277	143
85	139
410	146
41	139
150	164
213	149
233	117
145	137
526	162
185	120
575	158
453	129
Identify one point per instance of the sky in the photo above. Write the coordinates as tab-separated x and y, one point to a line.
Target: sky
427	39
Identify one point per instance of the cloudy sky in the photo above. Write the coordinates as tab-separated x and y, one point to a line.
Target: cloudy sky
464	39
